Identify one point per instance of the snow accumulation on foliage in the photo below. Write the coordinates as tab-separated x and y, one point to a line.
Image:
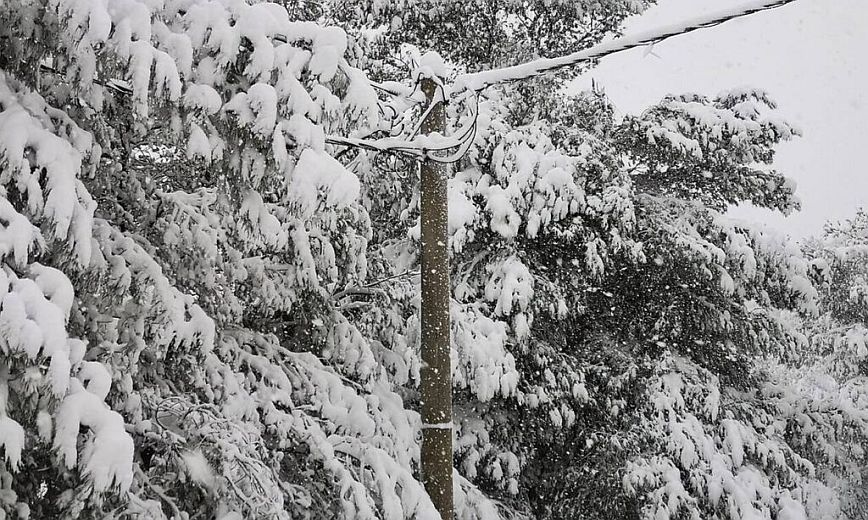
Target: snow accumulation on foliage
209	306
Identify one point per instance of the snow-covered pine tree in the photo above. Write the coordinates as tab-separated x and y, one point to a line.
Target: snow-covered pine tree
179	240
617	338
839	261
836	352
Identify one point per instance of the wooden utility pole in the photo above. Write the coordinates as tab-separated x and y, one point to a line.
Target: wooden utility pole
436	363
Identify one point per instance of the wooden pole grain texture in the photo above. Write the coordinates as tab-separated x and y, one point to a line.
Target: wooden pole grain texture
436	369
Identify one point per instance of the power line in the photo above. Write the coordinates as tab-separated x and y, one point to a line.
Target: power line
478	81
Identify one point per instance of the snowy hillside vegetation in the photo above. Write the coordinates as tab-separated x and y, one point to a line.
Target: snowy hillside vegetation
209	275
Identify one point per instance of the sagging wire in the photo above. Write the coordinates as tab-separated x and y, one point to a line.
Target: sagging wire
408	97
466	140
418	125
462	140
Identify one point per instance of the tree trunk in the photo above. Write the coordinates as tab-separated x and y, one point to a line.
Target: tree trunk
436	368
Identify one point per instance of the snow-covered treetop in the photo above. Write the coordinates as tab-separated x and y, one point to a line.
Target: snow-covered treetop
721	148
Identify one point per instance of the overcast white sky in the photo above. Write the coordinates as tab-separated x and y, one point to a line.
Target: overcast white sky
811	56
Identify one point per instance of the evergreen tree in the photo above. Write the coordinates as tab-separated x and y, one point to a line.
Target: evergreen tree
618	340
171	201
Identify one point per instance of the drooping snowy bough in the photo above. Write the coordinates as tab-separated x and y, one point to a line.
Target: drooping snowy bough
175	228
